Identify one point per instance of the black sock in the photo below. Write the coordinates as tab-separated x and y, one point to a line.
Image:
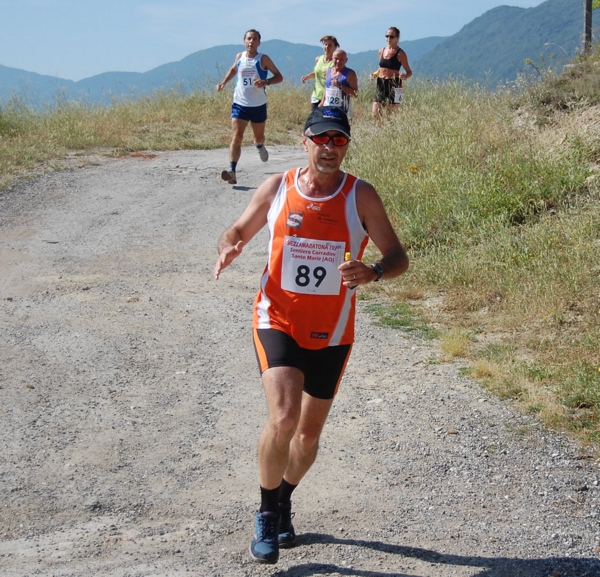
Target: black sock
232	166
269	500
285	491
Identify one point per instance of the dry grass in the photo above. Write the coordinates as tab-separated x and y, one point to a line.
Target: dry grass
455	343
164	121
501	217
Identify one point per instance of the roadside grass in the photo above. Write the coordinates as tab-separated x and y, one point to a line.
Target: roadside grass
500	216
168	120
401	315
577	86
455	343
495	195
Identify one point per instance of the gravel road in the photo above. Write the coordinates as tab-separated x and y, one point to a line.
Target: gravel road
130	407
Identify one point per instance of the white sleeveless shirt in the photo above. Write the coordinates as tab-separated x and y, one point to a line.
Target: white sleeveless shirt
245	93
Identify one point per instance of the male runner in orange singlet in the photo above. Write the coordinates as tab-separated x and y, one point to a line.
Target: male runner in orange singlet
303	320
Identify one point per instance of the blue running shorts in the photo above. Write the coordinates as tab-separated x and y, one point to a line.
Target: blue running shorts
255	114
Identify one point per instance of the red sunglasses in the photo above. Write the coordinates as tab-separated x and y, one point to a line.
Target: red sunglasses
323	139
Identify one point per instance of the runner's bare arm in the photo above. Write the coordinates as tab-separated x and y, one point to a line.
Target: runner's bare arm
252	220
230	73
312	74
379	53
404	61
267	64
307	77
394	259
352	90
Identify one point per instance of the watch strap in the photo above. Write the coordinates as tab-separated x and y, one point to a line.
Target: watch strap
378	270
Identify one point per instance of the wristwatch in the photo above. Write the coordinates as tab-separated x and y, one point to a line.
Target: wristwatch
378	270
268	82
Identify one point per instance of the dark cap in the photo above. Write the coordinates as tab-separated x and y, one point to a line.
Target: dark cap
326	118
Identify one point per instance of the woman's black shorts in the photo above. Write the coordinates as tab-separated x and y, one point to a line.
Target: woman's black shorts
384	93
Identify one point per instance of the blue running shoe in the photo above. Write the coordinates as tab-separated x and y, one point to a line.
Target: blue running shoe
287	535
265	546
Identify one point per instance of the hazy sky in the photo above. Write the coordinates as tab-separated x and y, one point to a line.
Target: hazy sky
76	39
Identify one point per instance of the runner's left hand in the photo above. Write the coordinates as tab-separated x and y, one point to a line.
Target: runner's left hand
355	272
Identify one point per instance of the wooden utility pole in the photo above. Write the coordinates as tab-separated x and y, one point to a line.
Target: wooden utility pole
587	27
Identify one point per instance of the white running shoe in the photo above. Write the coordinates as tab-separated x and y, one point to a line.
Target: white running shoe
229	176
263	153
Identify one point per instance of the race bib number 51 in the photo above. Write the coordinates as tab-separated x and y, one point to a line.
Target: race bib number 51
311	266
248	75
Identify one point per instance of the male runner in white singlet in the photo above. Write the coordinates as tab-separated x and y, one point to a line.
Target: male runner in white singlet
251	70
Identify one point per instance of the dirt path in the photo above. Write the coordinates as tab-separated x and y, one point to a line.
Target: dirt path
130	407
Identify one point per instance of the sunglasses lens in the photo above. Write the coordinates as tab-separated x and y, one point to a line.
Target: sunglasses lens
323	139
320	139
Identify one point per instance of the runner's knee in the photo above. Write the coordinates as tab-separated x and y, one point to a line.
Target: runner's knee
283	425
307	442
238	136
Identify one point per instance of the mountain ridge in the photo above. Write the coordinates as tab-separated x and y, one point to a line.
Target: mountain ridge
493	48
549	33
198	70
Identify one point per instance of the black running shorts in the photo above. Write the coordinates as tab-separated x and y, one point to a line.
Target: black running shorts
322	368
384	93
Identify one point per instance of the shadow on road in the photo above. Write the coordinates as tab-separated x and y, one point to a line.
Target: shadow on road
490	566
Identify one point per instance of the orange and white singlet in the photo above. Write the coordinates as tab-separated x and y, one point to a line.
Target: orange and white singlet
301	290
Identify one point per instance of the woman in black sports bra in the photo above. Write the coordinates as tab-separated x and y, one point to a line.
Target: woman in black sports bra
388	75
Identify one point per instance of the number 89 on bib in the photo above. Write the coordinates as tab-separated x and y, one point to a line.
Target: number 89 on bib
311	266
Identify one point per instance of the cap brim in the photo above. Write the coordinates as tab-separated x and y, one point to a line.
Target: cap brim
322	127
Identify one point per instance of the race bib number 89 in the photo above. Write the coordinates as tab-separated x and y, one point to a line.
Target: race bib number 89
311	266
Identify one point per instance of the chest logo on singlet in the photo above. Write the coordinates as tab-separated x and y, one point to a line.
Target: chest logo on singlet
327	218
294	219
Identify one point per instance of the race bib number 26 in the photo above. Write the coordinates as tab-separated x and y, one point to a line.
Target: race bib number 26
333	97
311	266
